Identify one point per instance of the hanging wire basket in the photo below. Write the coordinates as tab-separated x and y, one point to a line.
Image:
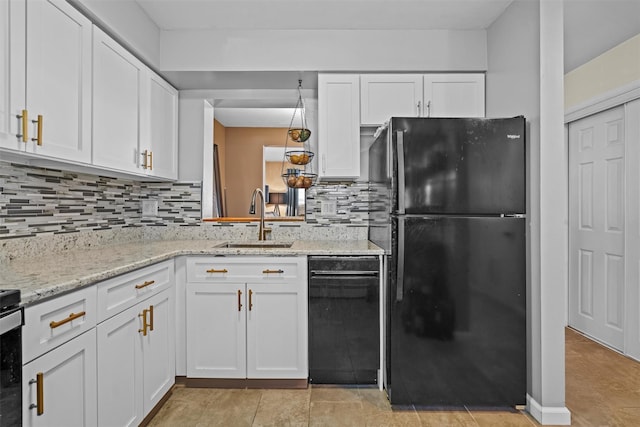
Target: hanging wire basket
298	177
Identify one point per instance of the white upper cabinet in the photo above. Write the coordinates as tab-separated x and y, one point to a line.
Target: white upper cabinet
47	71
135	113
8	118
338	125
420	95
119	91
386	95
454	95
161	148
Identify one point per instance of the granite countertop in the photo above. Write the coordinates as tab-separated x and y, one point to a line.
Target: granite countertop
45	276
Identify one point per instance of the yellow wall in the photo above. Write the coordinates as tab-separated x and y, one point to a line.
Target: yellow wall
244	164
613	69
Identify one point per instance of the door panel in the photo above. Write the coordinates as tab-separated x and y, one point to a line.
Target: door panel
59	78
597	223
461	166
459	301
632	231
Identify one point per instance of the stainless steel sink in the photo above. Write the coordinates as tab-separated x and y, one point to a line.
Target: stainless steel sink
258	245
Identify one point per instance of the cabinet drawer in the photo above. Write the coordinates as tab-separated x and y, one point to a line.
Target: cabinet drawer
122	292
56	321
228	269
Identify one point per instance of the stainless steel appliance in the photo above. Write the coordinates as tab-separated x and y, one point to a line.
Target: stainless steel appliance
448	207
11	321
344	319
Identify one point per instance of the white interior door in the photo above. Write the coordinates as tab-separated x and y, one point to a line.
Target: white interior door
632	235
596	226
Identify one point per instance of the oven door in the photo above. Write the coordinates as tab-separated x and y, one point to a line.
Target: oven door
11	367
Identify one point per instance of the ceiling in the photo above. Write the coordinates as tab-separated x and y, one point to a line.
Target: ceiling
591	28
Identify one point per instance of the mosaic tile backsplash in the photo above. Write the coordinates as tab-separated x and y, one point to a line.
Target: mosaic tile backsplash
37	201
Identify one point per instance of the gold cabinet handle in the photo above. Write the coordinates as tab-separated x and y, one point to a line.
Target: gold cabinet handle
38	138
213	270
24	124
145	159
267	271
144	322
239	300
54	324
145	284
151	318
250	299
39	405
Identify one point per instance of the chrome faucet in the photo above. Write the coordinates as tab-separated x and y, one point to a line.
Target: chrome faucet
262	230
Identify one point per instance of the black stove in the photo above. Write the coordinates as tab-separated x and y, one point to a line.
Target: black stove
11	321
9	298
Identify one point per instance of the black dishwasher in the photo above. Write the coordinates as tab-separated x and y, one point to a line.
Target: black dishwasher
344	319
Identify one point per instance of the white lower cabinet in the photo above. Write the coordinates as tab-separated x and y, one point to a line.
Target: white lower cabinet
136	360
247	322
59	387
120	370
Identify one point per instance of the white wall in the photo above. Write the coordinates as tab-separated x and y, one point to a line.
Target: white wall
128	23
195	145
323	50
524	69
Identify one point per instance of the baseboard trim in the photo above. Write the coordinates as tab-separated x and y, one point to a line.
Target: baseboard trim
245	383
152	413
550	415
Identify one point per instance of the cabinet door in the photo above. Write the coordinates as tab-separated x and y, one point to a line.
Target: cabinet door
163	133
339	125
68	381
158	348
216	334
385	95
118	92
277	330
12	72
453	95
58	80
120	392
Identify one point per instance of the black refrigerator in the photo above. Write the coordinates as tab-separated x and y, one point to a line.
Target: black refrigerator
447	204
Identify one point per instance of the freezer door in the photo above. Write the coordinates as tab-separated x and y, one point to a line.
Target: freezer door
457	304
459	166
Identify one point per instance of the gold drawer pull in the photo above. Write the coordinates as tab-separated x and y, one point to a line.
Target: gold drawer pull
151	318
267	271
239	300
39	405
213	270
54	324
145	284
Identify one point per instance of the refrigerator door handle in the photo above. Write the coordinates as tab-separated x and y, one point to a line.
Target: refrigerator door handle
401	183
400	263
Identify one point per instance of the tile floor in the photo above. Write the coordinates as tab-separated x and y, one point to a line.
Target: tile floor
603	389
